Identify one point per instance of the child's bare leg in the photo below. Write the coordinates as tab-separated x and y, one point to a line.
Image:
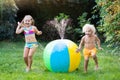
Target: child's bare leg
31	52
25	56
96	61
86	63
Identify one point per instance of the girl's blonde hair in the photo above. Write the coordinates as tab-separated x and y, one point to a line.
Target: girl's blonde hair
33	22
89	26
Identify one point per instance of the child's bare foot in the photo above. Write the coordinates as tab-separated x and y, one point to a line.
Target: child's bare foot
96	68
27	69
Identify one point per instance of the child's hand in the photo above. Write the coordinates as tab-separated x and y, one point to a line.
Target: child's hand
39	32
77	50
19	24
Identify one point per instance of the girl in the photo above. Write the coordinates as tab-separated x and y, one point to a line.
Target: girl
89	41
27	25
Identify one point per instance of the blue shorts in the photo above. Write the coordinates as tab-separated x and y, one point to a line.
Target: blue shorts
31	44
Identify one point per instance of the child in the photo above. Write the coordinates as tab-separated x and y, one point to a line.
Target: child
27	25
89	40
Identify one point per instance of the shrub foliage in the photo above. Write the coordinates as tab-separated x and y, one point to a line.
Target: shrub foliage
110	22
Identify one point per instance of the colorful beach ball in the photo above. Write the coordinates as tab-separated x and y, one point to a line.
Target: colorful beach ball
60	56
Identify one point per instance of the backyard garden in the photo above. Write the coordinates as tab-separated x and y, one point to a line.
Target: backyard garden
59	19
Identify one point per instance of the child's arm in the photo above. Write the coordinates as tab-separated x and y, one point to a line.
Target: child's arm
80	45
37	31
19	29
98	42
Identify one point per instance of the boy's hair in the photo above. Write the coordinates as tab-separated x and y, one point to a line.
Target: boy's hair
86	26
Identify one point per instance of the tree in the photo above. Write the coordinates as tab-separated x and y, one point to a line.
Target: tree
110	22
7	19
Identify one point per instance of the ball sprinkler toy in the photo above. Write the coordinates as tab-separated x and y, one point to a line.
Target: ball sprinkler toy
60	55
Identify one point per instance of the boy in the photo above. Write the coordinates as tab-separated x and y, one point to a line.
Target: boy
89	41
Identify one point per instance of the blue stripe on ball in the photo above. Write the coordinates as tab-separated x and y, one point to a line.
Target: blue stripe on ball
60	58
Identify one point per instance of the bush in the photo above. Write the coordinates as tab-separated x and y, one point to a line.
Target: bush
8	11
110	22
6	31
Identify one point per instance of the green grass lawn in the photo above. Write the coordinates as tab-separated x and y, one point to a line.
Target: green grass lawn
12	66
